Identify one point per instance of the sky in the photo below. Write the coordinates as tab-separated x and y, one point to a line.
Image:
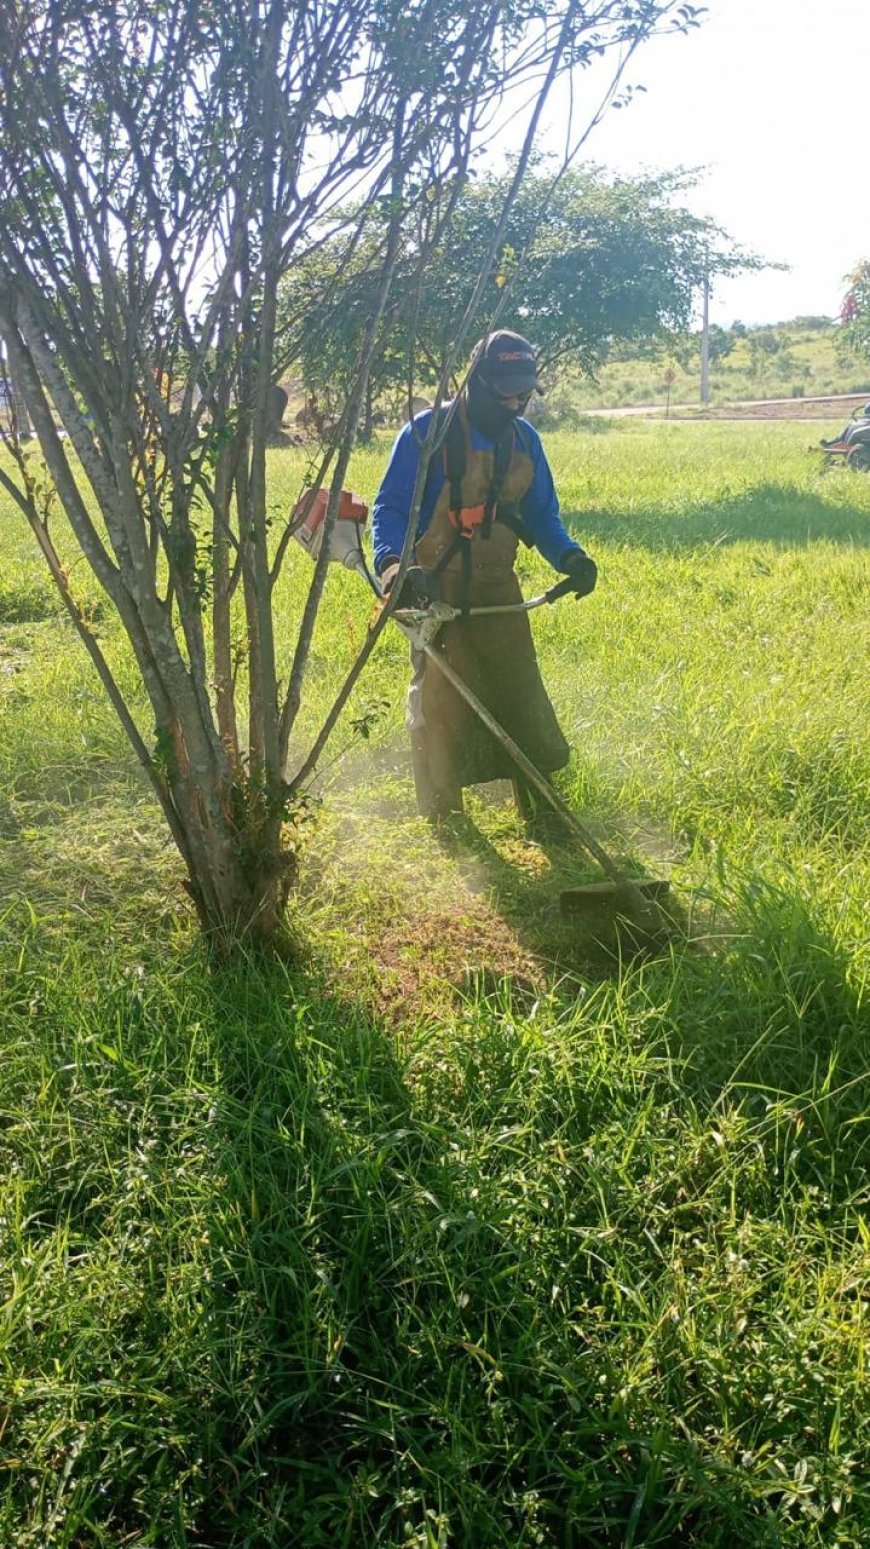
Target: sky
768	96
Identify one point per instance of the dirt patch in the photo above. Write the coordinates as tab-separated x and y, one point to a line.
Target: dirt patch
826	409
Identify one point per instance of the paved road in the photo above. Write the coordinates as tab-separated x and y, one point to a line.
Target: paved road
740	404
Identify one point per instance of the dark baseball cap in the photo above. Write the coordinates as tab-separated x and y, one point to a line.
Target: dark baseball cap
507	363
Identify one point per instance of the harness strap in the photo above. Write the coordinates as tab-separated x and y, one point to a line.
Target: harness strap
511	516
461	545
456	462
465	596
456	448
441	564
504	451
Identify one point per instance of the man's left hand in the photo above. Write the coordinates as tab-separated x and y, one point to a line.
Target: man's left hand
582	569
417	587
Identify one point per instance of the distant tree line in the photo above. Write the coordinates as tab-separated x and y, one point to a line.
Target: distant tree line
587	261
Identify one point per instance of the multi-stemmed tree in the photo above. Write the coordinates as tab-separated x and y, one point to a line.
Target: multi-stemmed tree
163	164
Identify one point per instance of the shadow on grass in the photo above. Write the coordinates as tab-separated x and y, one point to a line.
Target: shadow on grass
473	1283
525	881
769	513
413	1254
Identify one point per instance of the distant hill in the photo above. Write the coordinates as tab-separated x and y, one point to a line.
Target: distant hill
805	357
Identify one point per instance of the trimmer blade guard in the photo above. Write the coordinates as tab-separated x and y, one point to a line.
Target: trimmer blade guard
607	898
607	920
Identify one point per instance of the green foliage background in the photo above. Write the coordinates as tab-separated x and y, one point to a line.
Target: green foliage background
587	259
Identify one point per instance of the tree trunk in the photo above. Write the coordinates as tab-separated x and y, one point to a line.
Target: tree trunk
367	428
239	869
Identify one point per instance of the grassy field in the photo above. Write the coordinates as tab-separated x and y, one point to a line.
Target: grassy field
451	1233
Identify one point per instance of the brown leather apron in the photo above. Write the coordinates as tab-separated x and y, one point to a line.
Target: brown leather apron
494	656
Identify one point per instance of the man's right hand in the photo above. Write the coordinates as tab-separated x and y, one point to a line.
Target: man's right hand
416	589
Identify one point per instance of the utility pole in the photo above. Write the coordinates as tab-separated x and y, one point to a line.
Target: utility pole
705	341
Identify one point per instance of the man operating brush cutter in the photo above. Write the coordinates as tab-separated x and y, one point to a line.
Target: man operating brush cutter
489	489
477	707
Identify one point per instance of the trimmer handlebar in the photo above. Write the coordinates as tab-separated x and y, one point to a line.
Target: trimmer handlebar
562	588
421	625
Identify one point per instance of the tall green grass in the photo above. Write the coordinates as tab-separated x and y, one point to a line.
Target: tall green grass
447	1234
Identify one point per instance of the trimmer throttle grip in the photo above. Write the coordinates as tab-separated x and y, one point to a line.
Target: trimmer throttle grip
561	589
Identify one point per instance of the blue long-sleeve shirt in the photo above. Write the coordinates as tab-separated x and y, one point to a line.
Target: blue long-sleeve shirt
539	507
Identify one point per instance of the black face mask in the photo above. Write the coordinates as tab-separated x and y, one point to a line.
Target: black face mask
486	412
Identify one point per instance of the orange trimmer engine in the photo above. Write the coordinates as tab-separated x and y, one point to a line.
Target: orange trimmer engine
345	544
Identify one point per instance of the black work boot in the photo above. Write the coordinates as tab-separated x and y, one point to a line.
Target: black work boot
435	803
538	818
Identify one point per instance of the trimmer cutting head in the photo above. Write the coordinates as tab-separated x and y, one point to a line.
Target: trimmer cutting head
613	914
593	897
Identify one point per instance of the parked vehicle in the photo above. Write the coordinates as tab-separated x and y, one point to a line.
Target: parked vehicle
852	445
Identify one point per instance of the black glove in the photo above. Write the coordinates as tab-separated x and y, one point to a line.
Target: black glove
582	569
416	589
